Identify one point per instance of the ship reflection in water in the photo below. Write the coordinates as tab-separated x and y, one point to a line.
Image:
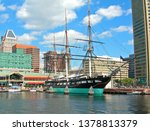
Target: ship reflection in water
43	103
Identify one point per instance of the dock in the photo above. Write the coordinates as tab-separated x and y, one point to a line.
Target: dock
138	91
2	91
126	91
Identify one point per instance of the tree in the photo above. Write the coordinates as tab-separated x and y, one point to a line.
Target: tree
127	81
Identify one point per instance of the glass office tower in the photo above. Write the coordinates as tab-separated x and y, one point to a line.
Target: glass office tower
141	29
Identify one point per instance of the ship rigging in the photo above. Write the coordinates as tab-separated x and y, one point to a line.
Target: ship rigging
81	84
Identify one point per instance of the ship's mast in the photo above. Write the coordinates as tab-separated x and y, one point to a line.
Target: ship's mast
89	51
66	47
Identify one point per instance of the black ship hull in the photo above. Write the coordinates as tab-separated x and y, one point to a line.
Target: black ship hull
94	86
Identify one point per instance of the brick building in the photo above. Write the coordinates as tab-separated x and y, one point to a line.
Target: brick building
50	58
33	51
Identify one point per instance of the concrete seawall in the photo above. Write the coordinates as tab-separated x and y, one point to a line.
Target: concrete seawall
141	91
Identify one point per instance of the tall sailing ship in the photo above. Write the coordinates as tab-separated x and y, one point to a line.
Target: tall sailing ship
80	84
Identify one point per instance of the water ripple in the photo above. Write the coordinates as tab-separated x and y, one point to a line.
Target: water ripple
43	103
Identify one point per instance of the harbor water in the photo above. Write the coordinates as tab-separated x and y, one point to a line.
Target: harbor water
45	103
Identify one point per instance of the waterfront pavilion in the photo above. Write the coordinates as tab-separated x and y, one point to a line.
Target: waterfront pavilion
26	79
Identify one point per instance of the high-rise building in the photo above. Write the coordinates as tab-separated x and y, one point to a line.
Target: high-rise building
16	60
131	62
7	41
131	66
141	28
50	58
33	51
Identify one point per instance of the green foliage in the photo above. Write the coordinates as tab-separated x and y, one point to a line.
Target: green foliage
125	81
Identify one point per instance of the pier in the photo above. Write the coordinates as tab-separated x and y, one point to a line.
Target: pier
127	91
2	91
138	91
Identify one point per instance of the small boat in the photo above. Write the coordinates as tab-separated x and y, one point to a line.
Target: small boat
135	93
40	90
14	89
33	90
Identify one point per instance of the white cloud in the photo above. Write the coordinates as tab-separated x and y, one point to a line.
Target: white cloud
131	42
60	37
110	12
123	29
2	7
72	4
47	14
41	54
128	12
36	33
94	19
105	34
3	18
26	38
117	29
13	7
41	60
75	67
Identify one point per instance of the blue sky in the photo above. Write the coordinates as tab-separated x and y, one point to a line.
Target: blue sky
36	21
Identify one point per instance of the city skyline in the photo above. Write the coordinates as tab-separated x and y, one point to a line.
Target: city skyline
111	22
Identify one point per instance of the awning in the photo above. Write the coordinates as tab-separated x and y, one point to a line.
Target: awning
36	82
36	77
